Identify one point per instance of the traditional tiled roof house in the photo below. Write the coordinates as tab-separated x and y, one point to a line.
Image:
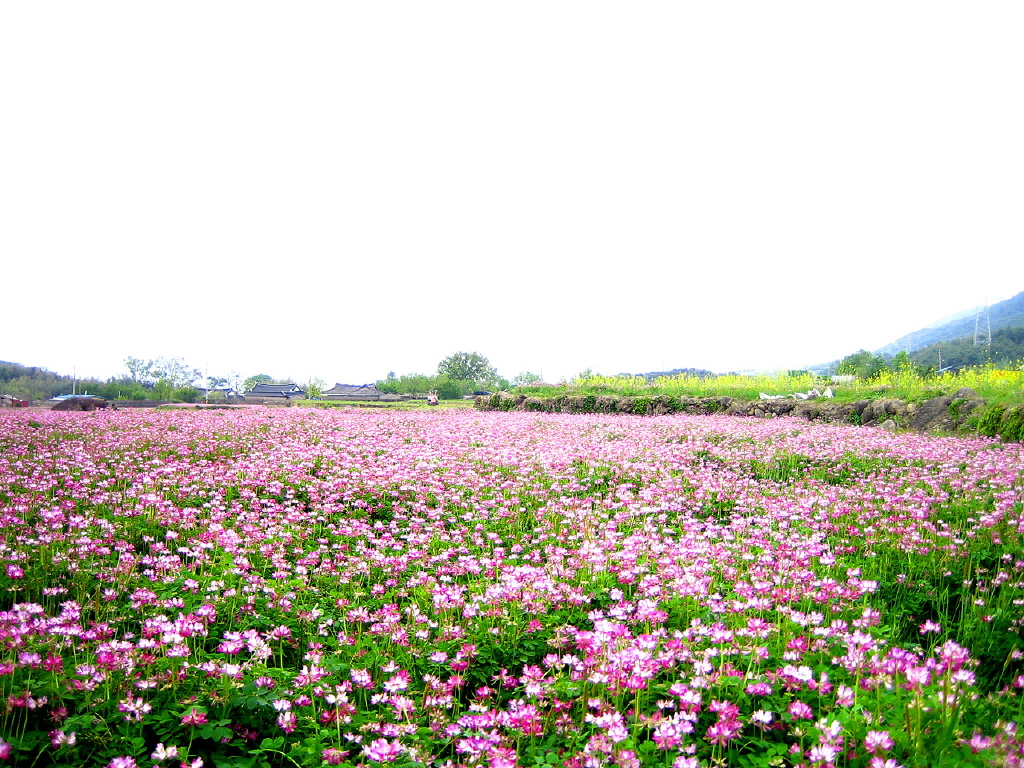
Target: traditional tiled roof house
357	392
287	391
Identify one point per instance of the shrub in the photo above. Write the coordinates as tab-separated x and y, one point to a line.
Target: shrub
449	390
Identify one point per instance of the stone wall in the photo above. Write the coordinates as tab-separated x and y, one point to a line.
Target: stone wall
939	414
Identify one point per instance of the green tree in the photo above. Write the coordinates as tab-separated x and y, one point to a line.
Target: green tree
175	371
139	370
876	367
315	387
902	362
467	366
172	370
855	364
449	390
524	379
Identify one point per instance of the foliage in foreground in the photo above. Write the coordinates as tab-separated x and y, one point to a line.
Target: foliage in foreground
296	587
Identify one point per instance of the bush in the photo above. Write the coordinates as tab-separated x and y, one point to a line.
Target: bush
449	390
184	394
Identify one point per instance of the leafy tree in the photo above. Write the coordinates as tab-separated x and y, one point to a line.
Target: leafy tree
124	388
524	379
855	364
175	371
139	370
449	390
876	367
315	387
863	365
902	362
172	370
467	366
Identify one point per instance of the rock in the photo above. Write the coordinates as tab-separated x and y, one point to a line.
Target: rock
970	405
933	414
889	425
859	406
819	411
81	404
878	410
965	393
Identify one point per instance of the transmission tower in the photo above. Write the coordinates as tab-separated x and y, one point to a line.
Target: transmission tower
983	326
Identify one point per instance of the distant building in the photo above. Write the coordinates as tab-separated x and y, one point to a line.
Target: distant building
226	391
357	392
286	391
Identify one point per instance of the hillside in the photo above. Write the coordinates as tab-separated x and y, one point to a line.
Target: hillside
1007	348
1005	314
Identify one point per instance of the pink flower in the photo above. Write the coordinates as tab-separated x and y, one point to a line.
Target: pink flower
823	753
979	742
194	717
724	731
917	677
162	753
5	749
333	756
287	721
382	750
845	696
878	762
930	626
762	718
800	711
878	740
397	683
58	739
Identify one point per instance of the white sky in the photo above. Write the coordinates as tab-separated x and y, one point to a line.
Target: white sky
342	189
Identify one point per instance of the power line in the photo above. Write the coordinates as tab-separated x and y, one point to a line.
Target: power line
983	326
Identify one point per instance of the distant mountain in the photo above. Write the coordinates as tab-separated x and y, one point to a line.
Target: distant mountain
1007	348
700	373
1004	314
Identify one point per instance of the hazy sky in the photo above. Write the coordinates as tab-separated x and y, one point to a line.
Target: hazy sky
342	189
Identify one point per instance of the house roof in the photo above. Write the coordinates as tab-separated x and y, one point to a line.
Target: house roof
354	392
275	390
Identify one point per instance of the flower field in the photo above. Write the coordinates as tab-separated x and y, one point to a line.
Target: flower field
291	587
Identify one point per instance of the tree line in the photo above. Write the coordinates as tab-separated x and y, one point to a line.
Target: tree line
458	375
172	379
166	379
